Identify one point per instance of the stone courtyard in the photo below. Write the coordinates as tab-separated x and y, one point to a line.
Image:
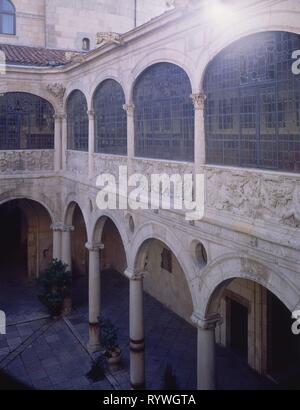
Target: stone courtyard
43	354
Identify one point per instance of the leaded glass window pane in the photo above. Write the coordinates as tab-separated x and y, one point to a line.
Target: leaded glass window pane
26	122
78	122
252	107
110	119
164	114
7	17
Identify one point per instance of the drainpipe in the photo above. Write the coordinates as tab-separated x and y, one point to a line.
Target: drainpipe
135	13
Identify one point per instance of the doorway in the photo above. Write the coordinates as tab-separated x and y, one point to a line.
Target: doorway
238	322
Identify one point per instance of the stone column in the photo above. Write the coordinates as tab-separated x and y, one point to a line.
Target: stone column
206	355
91	116
94	344
64	137
129	108
136	329
199	147
57	141
66	256
57	240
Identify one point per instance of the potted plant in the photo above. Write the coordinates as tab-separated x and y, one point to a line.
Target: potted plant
97	372
109	339
55	284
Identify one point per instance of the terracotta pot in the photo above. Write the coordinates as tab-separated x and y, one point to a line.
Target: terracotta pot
113	356
67	306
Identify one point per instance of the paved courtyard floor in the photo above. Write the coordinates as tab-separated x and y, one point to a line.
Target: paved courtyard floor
45	354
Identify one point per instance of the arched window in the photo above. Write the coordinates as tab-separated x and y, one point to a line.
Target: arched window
78	122
110	119
7	17
26	122
252	114
164	114
86	44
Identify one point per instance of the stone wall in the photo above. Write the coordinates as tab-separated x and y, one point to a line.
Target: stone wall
169	288
63	24
30	24
254	297
66	21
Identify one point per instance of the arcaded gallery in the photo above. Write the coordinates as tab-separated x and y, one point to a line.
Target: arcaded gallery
142	297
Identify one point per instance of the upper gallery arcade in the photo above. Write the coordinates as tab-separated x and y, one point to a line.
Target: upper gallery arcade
192	90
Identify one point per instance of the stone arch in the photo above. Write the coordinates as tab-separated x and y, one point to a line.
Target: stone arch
163	90
107	106
97	227
74	225
110	231
34	227
170	56
32	88
107	75
222	42
222	271
70	91
143	240
68	212
76	109
47	206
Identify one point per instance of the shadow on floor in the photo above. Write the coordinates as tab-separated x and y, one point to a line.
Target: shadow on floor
9	383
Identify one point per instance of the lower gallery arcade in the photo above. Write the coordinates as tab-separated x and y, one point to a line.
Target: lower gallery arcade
255	324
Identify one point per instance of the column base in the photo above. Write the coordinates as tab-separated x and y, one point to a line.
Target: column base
141	386
94	348
94	344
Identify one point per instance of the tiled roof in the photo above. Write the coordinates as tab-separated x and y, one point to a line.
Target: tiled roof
33	56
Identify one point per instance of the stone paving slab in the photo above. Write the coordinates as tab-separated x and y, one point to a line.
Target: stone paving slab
57	358
62	369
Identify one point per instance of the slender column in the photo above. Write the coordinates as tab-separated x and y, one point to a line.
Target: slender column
57	240
57	141
64	137
129	108
94	344
66	256
136	326
199	147
206	355
91	116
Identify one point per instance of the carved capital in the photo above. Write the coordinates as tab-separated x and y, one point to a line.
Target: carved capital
206	323
58	117
94	247
58	91
198	101
129	108
68	228
132	275
57	226
104	38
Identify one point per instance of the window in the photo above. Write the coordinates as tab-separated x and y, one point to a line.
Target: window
26	122
78	122
7	17
86	44
252	106
164	114
110	119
